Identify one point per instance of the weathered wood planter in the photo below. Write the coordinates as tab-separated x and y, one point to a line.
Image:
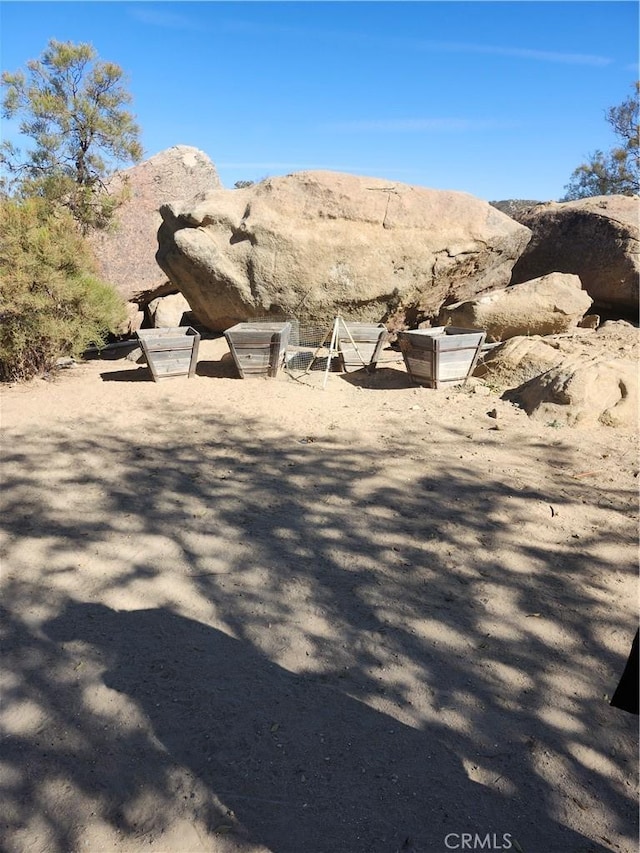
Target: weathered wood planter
258	348
363	348
444	355
170	352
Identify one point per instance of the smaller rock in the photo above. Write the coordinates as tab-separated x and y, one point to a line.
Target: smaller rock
481	390
65	362
166	312
133	321
517	360
548	305
136	355
582	392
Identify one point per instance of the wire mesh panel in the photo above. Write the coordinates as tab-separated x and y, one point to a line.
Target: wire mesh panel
308	349
337	345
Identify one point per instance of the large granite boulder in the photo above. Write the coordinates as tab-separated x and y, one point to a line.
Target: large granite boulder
314	244
597	239
126	252
548	305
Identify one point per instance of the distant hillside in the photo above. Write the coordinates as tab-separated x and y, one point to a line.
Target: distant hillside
513	206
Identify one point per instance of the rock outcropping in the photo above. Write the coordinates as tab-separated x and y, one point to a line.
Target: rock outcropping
314	244
548	305
597	239
126	252
582	393
167	311
517	361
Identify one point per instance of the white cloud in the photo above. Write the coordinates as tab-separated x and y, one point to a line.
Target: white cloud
566	58
406	43
157	18
418	125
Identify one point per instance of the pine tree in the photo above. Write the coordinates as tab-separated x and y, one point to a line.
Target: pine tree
72	107
618	171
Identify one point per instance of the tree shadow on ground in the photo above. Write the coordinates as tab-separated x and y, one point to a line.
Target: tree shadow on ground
359	633
299	764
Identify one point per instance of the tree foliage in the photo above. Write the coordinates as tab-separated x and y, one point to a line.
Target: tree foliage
51	303
72	107
616	172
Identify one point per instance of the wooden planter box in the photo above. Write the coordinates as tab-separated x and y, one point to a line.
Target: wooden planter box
444	355
170	352
369	338
258	348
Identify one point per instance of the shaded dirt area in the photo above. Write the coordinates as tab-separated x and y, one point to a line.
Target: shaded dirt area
255	615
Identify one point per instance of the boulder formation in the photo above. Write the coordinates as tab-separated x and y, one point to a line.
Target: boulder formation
548	305
580	392
597	239
315	244
126	252
166	312
517	361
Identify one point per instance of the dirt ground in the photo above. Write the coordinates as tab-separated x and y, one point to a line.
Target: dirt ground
259	615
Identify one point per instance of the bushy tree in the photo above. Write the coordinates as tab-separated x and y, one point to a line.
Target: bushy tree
618	171
51	303
72	108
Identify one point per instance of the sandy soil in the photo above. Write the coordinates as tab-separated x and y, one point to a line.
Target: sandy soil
256	615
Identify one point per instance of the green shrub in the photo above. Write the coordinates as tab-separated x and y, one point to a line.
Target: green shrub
51	303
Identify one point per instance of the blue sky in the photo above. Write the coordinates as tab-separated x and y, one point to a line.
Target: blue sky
497	99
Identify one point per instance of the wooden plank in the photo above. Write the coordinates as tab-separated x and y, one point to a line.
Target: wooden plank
460	357
420	368
161	358
255	359
418	354
247	339
165	344
448	372
162	355
417	340
453	342
194	356
173	331
172	366
357	358
382	339
250	349
362	331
